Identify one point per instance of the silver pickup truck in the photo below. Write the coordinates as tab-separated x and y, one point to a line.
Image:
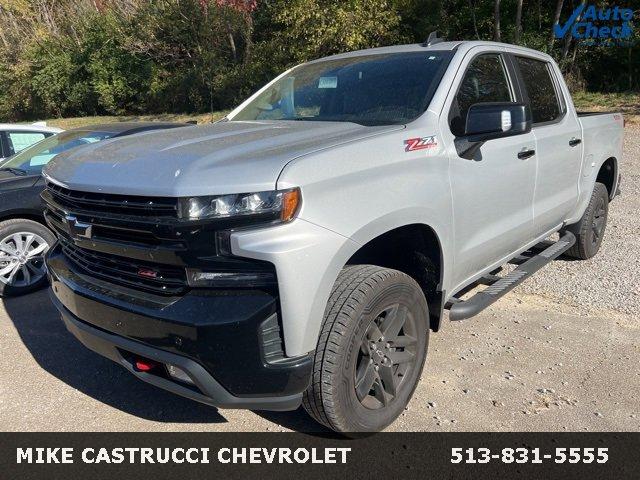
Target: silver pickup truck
301	250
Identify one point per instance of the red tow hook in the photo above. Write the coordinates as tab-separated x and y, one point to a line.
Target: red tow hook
144	365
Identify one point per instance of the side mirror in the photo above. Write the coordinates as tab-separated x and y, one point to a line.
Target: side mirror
488	121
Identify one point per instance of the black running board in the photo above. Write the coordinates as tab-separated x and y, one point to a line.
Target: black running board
528	263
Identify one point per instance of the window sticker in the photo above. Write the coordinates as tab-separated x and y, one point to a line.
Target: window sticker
328	82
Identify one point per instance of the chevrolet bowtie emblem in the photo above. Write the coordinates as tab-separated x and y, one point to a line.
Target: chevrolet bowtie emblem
77	228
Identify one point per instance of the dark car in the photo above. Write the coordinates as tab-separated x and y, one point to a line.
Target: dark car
24	238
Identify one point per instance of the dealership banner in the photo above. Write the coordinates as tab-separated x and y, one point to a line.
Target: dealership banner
304	456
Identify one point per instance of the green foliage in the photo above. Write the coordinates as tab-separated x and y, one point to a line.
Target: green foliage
94	74
119	77
83	57
15	95
59	79
316	28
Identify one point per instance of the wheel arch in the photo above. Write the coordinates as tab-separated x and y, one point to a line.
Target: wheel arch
605	171
414	248
23	214
608	175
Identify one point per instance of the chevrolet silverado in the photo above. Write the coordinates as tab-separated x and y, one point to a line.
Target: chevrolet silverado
301	250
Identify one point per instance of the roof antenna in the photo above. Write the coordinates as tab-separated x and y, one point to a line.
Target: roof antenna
433	39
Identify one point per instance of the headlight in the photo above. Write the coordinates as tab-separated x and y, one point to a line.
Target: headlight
279	205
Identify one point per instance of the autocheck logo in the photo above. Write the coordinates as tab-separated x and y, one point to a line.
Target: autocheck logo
598	26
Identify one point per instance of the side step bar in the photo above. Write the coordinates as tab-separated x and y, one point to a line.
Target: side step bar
499	286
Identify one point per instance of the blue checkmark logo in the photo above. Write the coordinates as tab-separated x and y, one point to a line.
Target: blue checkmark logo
561	31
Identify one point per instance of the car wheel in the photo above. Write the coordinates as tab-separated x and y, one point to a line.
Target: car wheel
23	244
370	352
589	231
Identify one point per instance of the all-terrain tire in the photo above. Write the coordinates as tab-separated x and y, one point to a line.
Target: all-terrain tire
16	226
360	293
589	231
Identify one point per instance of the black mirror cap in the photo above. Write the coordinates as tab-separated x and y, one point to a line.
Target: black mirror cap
484	120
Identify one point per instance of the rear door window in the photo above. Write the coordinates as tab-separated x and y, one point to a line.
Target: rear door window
536	76
18	141
484	81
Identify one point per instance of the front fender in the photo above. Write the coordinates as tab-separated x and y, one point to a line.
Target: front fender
308	259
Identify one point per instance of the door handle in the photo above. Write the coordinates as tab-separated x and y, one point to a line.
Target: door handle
526	154
575	141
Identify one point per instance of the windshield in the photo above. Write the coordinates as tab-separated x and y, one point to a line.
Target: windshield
34	158
381	89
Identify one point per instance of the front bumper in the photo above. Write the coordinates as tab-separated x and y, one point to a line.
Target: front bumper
228	342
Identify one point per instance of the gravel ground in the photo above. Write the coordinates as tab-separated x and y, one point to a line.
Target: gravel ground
560	353
525	364
610	280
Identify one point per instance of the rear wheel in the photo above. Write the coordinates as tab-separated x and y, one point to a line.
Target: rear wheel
371	350
589	231
23	244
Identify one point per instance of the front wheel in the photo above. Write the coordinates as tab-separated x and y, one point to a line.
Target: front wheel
371	350
23	244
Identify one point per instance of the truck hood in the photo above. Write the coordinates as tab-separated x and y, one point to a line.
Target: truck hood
226	157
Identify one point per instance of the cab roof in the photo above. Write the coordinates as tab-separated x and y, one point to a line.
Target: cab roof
25	127
421	47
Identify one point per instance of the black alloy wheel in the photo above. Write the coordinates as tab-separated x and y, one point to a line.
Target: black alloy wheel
387	355
599	222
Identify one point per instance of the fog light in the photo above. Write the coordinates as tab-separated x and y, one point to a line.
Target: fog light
199	278
179	374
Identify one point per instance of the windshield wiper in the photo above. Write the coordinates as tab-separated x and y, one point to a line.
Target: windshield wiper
14	170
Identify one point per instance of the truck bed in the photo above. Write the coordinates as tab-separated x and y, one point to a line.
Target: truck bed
602	134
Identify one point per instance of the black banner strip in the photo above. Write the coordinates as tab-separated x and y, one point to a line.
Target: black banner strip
299	456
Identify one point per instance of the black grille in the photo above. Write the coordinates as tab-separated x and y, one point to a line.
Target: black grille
123	204
162	280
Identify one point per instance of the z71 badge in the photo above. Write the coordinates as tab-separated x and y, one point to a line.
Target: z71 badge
423	143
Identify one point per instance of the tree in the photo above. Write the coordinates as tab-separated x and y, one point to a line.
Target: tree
496	21
556	19
76	57
315	28
472	7
245	9
517	31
